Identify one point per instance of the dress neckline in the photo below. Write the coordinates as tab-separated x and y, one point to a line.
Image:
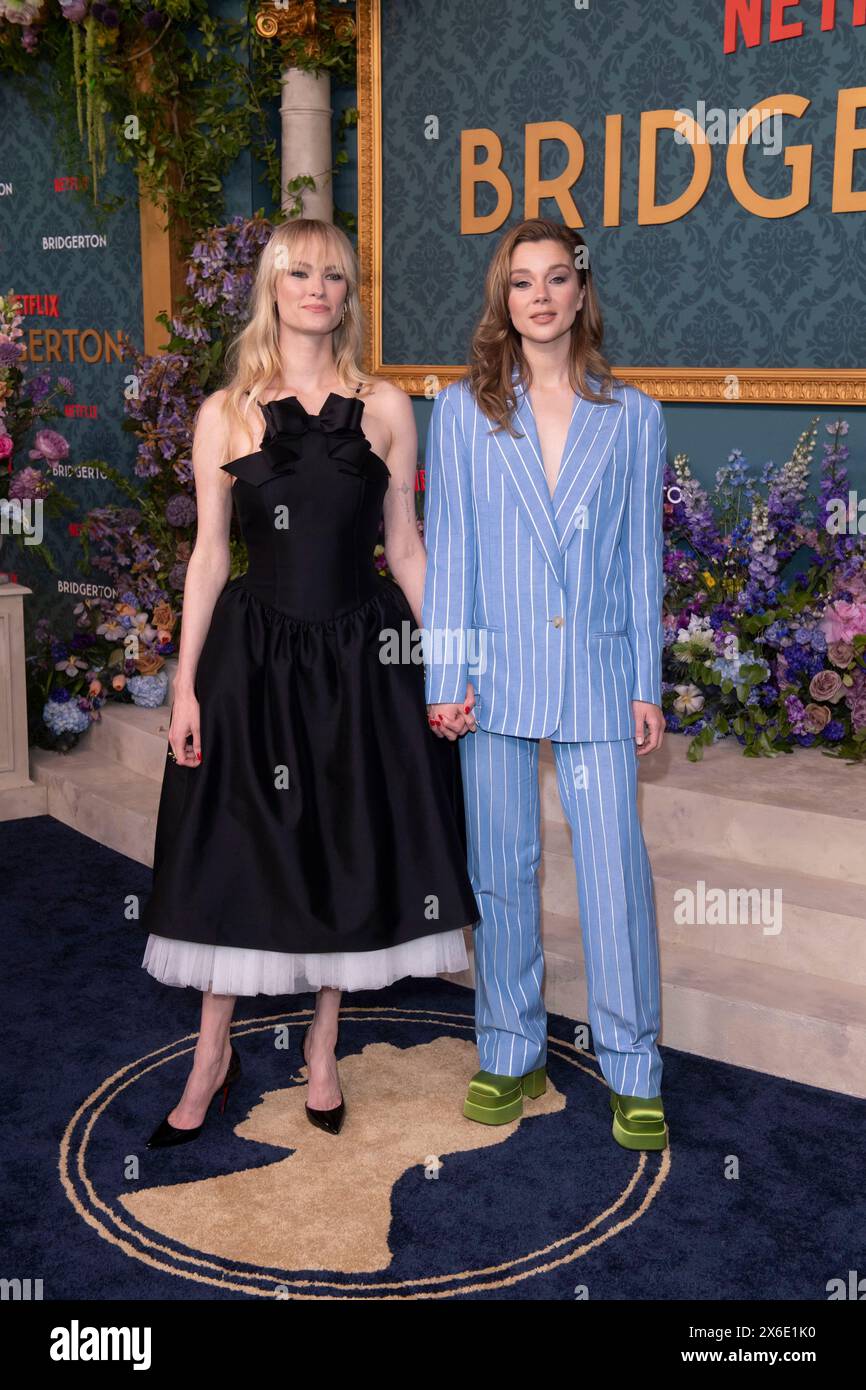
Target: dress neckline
337	395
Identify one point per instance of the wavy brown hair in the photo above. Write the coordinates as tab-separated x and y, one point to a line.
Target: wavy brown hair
495	349
253	357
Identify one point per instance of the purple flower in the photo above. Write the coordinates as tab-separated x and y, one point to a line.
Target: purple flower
38	387
106	15
10	352
796	714
180	510
28	484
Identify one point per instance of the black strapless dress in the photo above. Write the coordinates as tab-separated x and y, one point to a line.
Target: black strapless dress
321	840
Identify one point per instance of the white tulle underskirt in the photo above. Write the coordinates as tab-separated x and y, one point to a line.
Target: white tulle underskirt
244	970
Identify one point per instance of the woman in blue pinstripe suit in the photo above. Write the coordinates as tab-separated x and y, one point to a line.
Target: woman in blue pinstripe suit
542	619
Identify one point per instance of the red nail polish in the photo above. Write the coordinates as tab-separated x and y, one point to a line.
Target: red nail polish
465	709
198	755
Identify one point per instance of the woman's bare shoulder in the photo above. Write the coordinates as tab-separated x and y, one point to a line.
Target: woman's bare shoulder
385	399
212	413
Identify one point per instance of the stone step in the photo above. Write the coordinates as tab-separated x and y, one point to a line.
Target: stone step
823	921
754	1016
804	811
99	797
136	738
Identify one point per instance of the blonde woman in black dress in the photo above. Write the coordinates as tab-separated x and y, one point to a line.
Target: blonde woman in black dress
310	832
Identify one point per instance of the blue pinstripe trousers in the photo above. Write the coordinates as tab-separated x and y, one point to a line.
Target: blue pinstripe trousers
598	789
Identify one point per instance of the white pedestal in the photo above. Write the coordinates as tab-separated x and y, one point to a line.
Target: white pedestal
19	796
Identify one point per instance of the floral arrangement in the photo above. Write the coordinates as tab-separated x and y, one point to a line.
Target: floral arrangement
765	606
116	652
25	402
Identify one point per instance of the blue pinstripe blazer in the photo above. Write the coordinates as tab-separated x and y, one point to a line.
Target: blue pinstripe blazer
550	606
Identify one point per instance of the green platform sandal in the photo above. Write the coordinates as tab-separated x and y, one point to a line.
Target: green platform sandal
495	1100
638	1123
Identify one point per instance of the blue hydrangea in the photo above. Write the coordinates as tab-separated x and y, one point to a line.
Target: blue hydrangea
148	691
65	718
775	633
811	637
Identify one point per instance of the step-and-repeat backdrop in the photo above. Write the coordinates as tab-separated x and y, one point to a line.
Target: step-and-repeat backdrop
79	278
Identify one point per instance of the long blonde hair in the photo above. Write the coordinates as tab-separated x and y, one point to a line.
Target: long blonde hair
253	357
495	348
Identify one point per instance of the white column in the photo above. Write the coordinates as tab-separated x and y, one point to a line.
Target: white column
305	112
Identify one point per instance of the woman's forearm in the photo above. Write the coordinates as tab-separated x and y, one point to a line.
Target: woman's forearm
206	577
409	571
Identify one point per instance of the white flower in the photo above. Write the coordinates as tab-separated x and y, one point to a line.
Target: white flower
698	633
689	699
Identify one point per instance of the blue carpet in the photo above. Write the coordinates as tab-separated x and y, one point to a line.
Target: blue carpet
96	1052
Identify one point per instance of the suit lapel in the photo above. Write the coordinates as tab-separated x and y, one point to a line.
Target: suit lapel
524	472
588	446
588	450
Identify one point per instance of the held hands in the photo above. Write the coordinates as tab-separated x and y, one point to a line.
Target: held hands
450	721
185	725
653	717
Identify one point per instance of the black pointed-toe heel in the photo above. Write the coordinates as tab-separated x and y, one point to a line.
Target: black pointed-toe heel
166	1134
329	1120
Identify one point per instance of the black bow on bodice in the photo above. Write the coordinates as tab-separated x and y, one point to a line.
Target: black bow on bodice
287	418
286	424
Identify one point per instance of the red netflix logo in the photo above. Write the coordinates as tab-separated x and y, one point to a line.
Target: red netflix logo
45	305
745	19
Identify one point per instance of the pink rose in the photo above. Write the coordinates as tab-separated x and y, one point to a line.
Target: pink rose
826	685
6	446
118	682
815	717
840	653
50	446
842	621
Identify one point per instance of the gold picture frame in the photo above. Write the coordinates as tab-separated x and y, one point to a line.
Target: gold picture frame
710	385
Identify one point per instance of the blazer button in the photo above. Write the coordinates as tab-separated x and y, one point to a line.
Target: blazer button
557	621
